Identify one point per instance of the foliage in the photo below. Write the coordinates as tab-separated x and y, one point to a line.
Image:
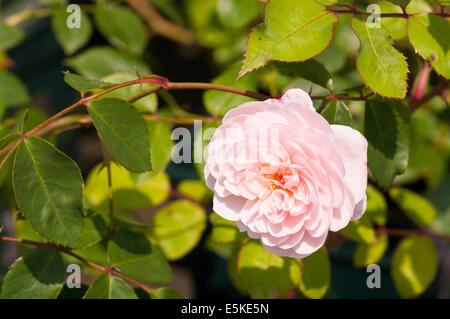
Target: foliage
371	78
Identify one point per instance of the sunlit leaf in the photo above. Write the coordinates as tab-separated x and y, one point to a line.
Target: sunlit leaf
195	189
316	273
292	31
382	68
266	275
376	206
397	26
370	254
224	231
417	207
165	293
130	191
429	36
414	265
178	227
360	230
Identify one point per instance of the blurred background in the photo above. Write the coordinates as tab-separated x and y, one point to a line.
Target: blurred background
219	30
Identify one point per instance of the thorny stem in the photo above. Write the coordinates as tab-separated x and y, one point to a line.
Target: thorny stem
164	84
11	150
109	270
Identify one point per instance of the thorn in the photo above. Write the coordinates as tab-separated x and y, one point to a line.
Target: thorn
83	99
139	77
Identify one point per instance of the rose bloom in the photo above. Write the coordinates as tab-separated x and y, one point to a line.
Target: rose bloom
285	175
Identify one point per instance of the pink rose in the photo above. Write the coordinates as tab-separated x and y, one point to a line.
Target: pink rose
285	175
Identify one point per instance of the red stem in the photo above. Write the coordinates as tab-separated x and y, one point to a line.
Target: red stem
66	251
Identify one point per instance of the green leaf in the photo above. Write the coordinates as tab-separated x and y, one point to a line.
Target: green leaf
49	190
152	190
24	230
94	229
386	130
107	286
396	26
382	68
130	191
134	255
224	231
161	144
376	206
128	223
370	254
237	13
336	112
178	227
310	70
82	84
232	267
316	274
124	132
414	265
218	103
417	6
417	207
98	62
292	31
14	91
145	104
9	36
95	253
38	275
429	36
71	39
360	230
122	27
165	293
266	275
195	189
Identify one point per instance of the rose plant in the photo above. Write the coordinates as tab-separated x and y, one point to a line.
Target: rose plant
320	133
